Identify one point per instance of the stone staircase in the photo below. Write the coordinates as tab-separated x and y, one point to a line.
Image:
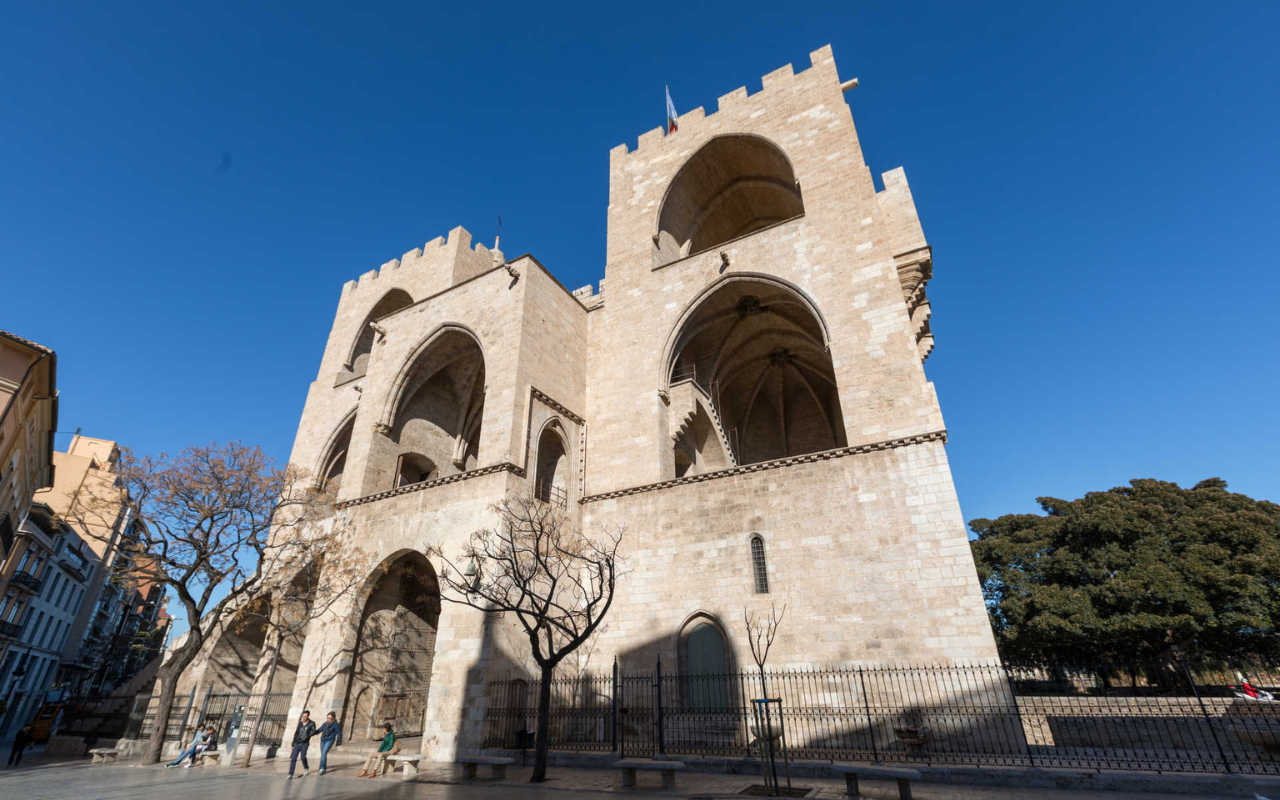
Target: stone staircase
685	397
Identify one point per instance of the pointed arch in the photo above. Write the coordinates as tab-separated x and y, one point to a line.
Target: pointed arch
553	479
358	354
334	455
733	185
432	418
758	349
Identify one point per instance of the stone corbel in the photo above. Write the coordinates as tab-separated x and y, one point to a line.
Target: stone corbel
382	428
915	268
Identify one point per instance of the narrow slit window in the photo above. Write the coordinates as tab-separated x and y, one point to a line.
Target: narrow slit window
758	567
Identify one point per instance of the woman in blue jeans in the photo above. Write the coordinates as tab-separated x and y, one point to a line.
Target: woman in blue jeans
330	737
200	738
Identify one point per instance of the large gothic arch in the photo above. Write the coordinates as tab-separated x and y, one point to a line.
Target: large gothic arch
756	349
733	185
392	657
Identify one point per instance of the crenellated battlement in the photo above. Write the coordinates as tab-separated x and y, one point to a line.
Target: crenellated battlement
453	256
822	70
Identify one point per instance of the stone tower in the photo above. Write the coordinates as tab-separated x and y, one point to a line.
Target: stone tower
744	390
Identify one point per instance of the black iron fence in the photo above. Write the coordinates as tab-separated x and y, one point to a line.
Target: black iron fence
233	717
1153	717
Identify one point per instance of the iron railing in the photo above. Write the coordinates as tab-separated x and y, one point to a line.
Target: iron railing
10	630
1155	718
27	581
551	494
220	710
406	711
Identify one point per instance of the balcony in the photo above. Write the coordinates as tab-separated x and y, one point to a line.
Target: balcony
25	580
10	630
551	494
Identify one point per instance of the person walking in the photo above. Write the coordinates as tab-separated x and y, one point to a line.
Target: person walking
389	747
301	738
330	737
197	739
21	741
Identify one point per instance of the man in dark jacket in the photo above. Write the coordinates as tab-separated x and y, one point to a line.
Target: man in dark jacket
301	738
21	741
330	737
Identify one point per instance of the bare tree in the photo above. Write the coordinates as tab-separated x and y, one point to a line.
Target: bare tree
760	634
213	522
556	581
308	578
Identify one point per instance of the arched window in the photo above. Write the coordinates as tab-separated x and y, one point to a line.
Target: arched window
758	567
734	185
755	353
358	361
551	483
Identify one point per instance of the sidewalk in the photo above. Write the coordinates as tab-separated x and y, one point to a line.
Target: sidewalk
77	780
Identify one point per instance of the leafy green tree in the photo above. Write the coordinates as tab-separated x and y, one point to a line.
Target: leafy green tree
1134	574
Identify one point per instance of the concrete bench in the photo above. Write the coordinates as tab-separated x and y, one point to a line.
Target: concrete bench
497	765
667	768
409	762
211	758
903	775
104	755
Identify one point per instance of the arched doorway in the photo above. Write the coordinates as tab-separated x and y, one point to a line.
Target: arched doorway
755	352
706	669
395	648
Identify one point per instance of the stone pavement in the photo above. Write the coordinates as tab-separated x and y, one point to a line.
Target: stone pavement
76	780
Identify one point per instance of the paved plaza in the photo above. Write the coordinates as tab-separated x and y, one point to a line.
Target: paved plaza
46	779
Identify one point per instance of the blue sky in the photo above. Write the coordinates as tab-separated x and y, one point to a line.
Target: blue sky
1098	181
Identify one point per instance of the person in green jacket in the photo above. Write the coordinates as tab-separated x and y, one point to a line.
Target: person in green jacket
388	747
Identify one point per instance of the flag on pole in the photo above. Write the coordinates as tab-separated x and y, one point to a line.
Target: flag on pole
671	113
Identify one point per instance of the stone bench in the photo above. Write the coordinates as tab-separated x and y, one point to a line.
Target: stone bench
104	755
667	768
408	762
497	765
211	758
903	775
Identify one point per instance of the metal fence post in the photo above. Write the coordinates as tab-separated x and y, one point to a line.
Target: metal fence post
871	726
186	716
617	740
1208	720
658	685
204	708
1017	710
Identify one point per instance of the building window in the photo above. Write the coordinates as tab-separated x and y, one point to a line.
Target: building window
758	567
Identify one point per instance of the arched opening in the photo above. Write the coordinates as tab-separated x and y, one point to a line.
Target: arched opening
734	185
414	468
435	430
756	351
759	569
551	481
335	460
358	360
395	647
706	668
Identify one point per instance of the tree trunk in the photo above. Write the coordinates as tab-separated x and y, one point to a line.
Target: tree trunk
266	699
168	677
543	743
